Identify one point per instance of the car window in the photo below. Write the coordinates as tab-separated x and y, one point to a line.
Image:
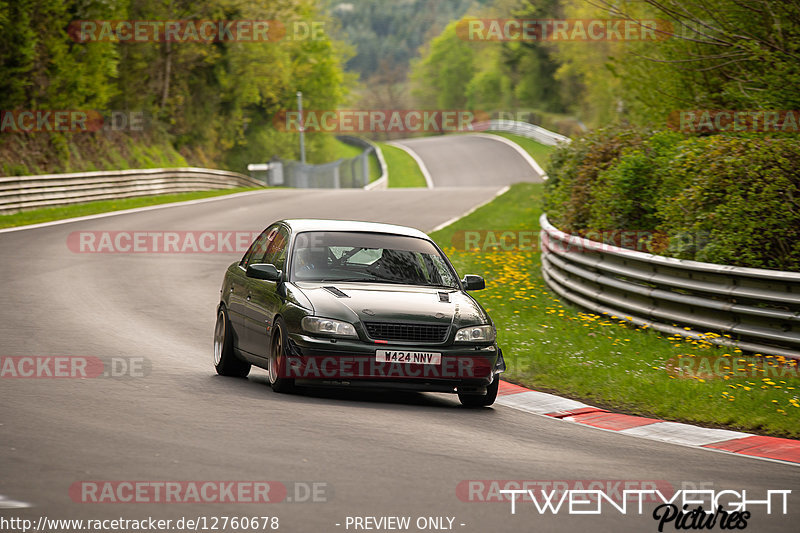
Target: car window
276	249
371	258
258	248
364	256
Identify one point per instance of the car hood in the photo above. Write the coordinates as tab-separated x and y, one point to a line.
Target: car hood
365	302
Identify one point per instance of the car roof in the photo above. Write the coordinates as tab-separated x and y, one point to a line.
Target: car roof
308	224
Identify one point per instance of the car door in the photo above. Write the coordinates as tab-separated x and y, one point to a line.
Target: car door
237	289
263	298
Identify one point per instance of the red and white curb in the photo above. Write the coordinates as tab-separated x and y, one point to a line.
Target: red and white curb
541	403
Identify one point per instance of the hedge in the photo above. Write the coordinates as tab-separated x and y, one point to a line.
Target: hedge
723	199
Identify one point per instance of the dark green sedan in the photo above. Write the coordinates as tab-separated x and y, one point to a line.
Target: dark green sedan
359	304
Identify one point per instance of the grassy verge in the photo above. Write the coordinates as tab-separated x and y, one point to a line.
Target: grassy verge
551	346
403	170
539	152
47	214
349	151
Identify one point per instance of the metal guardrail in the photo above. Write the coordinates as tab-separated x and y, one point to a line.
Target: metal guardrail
341	174
531	131
755	309
18	193
383	180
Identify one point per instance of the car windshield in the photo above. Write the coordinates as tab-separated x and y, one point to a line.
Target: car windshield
331	257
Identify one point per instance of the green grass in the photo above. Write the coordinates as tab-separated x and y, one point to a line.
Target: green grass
551	346
48	214
349	151
403	170
539	152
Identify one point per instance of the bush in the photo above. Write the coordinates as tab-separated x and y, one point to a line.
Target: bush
624	195
573	171
739	198
722	199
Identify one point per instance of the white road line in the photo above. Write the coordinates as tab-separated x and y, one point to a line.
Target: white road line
418	159
521	151
134	210
500	192
5	503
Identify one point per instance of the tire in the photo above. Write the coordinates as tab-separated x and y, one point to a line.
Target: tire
477	400
277	358
225	361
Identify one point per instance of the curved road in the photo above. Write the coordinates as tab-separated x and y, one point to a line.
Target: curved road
371	454
471	160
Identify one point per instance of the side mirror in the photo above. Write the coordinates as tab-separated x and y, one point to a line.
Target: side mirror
473	283
263	271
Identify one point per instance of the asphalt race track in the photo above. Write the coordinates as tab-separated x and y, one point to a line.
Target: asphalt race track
369	454
469	160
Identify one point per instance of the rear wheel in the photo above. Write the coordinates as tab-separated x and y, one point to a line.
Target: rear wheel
225	361
477	400
277	359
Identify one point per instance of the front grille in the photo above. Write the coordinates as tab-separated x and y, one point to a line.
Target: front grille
388	331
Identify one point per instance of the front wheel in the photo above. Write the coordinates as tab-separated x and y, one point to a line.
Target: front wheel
277	359
477	400
225	361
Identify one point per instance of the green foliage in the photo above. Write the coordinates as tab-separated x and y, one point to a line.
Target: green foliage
625	195
42	68
444	73
711	54
488	75
212	99
729	200
391	32
574	171
708	54
739	200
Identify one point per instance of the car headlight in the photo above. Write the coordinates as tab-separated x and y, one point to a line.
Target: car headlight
484	333
327	326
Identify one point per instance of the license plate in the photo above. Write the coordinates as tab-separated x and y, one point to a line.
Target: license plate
399	356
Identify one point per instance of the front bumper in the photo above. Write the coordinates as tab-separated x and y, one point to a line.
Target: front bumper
353	362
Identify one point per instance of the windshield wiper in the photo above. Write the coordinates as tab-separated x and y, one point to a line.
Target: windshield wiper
347	280
366	280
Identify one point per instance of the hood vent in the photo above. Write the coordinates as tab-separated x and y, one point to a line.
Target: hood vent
444	297
336	292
